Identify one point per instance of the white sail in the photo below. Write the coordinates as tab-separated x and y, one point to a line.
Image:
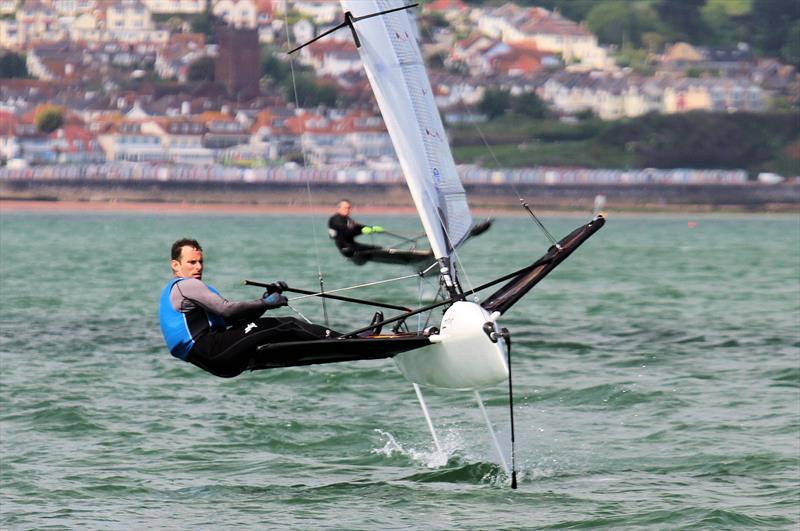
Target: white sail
395	69
462	355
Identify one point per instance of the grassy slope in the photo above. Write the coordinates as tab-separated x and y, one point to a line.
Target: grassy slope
753	142
583	153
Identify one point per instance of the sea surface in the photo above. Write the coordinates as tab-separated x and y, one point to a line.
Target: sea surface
656	381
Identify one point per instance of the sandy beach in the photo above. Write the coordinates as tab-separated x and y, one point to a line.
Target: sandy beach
177	208
201	208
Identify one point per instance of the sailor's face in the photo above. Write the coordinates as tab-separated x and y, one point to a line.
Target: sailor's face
344	208
190	264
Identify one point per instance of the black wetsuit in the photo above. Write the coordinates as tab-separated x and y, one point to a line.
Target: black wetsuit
222	336
343	230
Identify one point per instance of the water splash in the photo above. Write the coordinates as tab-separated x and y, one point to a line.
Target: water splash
452	446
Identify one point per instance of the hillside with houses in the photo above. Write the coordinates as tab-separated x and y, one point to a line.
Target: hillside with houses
174	83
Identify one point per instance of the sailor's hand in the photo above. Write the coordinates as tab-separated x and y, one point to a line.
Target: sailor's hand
276	287
274	300
372	230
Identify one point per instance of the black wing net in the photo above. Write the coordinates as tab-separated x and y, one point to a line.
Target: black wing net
523	280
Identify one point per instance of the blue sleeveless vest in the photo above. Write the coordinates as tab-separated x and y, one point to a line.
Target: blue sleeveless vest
174	325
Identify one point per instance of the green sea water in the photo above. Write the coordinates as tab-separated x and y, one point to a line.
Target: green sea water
656	378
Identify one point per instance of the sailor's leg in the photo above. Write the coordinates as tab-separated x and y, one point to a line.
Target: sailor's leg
230	351
491	432
362	253
427	417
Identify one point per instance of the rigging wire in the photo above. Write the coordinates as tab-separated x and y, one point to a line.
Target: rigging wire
295	310
308	183
419	302
522	201
377	282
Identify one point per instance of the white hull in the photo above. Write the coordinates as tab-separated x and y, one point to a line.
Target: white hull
462	355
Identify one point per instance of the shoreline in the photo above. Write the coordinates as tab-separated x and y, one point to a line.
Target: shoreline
391	198
176	207
232	208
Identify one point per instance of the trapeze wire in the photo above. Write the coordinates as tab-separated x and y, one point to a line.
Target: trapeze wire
354	287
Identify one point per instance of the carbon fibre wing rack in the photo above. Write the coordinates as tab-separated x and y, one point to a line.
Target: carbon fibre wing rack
523	280
334	350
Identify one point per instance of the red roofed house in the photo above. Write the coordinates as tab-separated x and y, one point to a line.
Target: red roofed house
19	138
74	144
449	8
548	31
271	133
57	61
470	52
519	60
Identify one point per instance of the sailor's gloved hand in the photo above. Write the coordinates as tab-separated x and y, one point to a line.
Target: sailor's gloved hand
274	300
276	287
375	229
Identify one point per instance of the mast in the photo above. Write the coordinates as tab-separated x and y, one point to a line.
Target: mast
396	72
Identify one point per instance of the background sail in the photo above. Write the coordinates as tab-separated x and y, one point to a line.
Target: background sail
394	66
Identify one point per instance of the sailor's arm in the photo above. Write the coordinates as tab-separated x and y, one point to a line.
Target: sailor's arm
358	227
353	228
197	292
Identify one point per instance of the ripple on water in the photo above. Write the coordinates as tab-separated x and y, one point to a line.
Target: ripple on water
655	375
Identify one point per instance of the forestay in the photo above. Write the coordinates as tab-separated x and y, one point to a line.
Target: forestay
394	66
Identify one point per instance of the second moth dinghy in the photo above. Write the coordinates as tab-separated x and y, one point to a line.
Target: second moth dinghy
406	250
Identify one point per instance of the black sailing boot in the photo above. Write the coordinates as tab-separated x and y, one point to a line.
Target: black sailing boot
375	330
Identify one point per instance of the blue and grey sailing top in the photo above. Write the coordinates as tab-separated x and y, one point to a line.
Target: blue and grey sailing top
190	309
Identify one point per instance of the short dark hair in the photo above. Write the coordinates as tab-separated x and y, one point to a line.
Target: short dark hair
344	200
178	246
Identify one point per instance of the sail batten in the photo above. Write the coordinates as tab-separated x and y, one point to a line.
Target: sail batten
396	72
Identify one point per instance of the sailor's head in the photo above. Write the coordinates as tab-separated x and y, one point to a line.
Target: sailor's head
187	259
344	207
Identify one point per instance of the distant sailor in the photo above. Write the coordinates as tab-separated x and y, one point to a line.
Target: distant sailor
343	229
218	335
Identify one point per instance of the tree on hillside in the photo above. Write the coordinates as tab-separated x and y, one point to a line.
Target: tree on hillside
576	10
622	24
529	104
277	70
683	20
12	65
272	67
204	23
49	118
771	22
495	103
309	92
702	139
791	50
722	29
201	70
